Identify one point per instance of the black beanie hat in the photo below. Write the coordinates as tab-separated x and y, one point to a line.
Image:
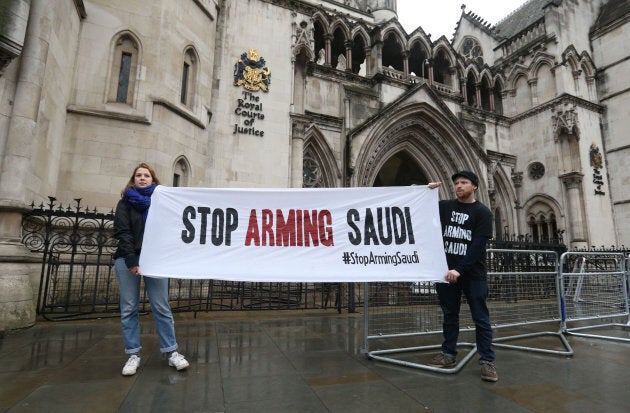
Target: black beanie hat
468	175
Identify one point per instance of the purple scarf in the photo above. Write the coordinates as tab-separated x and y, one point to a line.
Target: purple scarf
140	199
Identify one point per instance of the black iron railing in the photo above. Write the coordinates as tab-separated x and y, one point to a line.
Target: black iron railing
77	276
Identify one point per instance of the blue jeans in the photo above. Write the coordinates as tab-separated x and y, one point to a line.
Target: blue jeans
476	292
157	289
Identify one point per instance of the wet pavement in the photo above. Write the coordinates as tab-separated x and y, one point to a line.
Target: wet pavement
289	362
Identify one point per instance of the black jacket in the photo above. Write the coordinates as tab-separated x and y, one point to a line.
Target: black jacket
129	231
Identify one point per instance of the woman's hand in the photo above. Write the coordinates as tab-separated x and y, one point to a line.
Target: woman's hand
135	270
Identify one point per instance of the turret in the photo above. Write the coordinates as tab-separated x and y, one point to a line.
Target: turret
382	10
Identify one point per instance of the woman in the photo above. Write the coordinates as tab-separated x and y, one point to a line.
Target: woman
131	215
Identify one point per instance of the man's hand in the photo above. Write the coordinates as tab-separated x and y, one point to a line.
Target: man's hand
451	276
433	185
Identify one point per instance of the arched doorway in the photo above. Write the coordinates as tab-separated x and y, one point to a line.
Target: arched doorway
400	170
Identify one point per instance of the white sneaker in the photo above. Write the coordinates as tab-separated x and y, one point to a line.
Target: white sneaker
178	361
131	365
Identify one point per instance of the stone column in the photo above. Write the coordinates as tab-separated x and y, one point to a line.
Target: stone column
573	184
406	63
19	269
348	56
328	42
517	180
478	95
464	90
297	153
533	88
369	65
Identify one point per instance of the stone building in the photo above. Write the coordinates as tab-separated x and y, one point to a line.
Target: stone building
293	93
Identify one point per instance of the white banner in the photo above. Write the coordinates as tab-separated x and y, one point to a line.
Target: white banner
294	235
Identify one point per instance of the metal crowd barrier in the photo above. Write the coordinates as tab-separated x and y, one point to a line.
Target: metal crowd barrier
399	314
595	291
529	282
523	293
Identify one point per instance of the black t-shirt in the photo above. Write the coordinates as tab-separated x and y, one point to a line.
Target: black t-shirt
466	228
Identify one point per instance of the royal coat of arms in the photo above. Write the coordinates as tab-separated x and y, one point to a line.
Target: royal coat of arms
251	73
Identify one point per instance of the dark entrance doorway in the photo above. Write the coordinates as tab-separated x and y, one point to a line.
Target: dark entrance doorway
400	170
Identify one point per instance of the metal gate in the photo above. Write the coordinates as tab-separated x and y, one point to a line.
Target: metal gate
77	276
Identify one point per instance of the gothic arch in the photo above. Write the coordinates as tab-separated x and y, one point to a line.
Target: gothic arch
517	71
340	24
360	48
393	49
397	32
322	19
503	198
498	92
538	61
438	144
318	154
543	216
422	40
468	70
545	82
443	46
571	57
360	31
339	41
124	66
471	89
443	63
190	75
522	92
485	90
419	54
182	172
499	81
587	65
485	73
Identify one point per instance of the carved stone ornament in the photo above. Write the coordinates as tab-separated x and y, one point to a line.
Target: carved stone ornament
251	73
596	157
565	120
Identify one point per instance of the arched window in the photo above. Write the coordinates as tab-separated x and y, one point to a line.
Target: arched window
418	61
338	50
485	94
533	229
392	53
471	90
358	56
523	97
546	84
189	75
542	222
441	69
320	43
123	71
498	97
181	172
471	50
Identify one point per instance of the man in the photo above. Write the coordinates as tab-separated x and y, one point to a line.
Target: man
466	228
